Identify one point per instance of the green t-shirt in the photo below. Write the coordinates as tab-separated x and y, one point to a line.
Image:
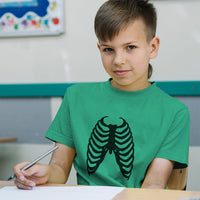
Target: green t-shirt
118	133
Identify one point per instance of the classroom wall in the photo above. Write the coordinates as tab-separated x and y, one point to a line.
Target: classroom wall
74	57
70	57
179	32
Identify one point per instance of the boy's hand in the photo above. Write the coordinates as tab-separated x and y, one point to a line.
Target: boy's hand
35	175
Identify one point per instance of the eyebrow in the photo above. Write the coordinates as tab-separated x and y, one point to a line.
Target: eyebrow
101	44
125	44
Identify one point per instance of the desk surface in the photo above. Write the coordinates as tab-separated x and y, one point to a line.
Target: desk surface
155	194
3	140
138	194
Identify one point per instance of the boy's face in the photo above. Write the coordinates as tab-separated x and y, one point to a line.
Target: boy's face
126	57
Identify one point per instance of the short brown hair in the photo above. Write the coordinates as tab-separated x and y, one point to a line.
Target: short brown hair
114	15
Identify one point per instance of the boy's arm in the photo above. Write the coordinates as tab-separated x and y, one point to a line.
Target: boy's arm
158	173
61	163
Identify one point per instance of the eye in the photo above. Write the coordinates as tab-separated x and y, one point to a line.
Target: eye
131	47
108	50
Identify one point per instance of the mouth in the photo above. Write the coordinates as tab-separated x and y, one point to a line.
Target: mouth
121	72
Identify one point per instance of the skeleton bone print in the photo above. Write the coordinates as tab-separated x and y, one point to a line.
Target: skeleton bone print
111	138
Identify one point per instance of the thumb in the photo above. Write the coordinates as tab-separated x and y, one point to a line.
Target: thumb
30	171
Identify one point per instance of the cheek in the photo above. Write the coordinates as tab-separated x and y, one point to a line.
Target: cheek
137	60
140	62
106	61
143	58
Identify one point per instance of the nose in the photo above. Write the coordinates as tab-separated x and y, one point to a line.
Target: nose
119	58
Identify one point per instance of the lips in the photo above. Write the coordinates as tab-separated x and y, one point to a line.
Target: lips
121	73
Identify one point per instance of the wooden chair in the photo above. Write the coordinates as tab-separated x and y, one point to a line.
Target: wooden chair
178	179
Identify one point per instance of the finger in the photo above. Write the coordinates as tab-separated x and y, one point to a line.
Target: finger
24	183
17	169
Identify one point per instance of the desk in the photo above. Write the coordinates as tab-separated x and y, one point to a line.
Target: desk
155	194
6	183
138	194
3	140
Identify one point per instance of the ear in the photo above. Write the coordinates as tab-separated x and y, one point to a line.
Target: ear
155	43
98	45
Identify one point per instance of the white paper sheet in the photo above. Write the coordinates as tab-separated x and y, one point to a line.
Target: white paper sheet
54	193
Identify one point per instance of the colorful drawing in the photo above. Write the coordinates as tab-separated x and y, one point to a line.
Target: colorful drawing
31	17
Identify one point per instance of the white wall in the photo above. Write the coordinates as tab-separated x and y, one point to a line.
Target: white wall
179	31
73	56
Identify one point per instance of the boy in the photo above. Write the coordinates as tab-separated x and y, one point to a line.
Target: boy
123	132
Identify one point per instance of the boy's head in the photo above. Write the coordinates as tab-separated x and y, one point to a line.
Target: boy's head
115	15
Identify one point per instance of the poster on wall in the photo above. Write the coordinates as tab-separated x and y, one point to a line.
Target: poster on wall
31	17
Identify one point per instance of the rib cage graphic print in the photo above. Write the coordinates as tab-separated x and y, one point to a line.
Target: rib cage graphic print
111	138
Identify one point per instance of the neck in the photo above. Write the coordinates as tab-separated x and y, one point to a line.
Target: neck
131	87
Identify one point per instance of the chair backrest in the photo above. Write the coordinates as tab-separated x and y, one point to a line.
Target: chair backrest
178	179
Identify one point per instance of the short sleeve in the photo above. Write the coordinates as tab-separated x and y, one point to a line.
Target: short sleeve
60	129
176	144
